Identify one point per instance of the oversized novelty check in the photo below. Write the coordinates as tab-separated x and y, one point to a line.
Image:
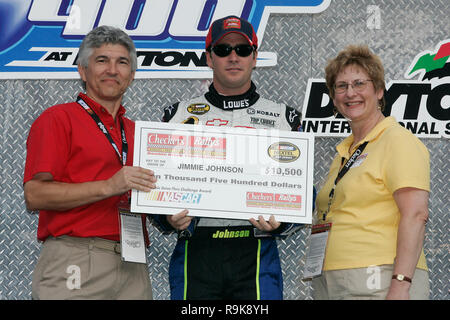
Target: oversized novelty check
224	172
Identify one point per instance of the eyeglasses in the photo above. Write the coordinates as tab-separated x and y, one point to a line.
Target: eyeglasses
242	50
357	85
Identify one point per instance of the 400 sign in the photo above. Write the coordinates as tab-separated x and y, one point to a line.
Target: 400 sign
41	37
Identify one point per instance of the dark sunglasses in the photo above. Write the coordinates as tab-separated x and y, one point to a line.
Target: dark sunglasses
242	50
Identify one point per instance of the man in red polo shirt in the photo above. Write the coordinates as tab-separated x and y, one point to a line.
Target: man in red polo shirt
79	173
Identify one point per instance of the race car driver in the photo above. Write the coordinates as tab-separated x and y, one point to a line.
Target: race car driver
246	267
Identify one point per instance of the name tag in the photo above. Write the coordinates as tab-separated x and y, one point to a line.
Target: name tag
315	254
132	237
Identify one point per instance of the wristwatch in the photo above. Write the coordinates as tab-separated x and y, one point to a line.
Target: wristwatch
401	277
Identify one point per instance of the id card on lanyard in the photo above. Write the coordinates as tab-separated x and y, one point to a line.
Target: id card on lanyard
132	241
316	250
319	234
131	228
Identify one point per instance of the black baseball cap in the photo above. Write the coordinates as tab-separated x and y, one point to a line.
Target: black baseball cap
229	24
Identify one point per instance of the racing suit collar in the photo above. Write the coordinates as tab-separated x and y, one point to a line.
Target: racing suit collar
230	103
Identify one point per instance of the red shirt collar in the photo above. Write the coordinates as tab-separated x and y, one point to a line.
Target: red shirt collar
98	108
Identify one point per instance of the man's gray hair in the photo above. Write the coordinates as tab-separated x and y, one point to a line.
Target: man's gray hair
106	35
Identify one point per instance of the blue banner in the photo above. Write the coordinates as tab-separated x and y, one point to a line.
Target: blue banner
40	38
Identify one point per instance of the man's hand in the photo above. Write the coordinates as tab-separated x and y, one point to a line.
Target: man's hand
264	225
43	193
180	221
129	178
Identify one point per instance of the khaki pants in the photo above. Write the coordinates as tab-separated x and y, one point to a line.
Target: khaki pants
87	268
371	283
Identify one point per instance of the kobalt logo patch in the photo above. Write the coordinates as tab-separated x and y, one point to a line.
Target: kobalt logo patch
263	112
41	37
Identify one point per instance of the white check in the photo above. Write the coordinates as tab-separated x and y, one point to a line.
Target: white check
224	172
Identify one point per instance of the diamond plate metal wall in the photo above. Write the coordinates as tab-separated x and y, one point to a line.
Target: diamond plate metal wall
303	43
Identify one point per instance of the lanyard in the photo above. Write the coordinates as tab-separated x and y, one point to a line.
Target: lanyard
101	126
341	173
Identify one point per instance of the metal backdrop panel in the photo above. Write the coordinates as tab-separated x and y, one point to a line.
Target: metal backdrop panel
303	43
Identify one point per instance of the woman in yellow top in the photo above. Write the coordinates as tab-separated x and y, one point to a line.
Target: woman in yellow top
378	206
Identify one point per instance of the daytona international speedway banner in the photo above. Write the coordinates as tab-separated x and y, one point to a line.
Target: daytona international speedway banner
420	102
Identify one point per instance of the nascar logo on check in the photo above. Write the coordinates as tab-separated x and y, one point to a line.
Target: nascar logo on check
179	197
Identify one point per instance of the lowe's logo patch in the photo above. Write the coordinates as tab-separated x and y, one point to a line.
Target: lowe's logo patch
40	38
